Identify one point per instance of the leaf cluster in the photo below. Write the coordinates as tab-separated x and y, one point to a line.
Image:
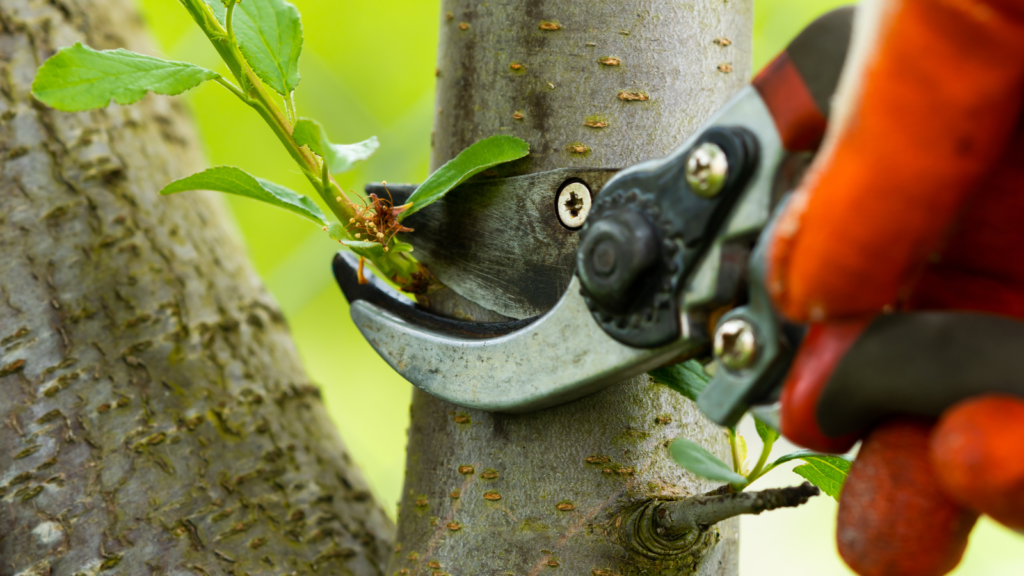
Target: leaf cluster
260	42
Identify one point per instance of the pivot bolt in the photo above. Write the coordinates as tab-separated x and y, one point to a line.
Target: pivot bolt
706	170
736	344
616	254
573	204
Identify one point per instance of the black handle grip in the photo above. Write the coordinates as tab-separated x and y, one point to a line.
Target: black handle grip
920	363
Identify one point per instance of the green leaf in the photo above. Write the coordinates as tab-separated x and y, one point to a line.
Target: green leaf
269	34
339	157
473	160
826	471
768	434
80	78
687	378
363	248
696	459
373	249
808	455
399	246
741	453
237	181
336	231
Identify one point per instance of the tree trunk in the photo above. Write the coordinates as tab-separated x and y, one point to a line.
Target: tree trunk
600	84
154	417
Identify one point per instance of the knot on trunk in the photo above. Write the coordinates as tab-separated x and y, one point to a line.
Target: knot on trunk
684	529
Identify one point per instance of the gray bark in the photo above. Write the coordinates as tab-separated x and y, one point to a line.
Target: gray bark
154	417
568	487
666	49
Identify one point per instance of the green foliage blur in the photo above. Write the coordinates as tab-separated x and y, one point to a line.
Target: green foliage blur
367	69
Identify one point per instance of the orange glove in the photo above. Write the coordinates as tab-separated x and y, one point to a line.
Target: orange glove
915	201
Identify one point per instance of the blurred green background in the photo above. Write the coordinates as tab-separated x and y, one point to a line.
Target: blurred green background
368	69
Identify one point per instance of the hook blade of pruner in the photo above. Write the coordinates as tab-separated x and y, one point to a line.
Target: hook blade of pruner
509	367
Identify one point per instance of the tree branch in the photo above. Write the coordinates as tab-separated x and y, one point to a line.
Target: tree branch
675	518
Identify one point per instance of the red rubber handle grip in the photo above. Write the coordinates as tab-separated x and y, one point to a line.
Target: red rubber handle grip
797	86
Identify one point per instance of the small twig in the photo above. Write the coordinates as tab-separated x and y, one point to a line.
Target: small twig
675	518
233	89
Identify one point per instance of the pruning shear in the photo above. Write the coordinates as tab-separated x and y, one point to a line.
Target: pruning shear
660	262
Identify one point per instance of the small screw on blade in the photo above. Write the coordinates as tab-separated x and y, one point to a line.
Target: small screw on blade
736	344
573	204
706	170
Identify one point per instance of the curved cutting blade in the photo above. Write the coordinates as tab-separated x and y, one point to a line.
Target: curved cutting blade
510	367
563	354
498	242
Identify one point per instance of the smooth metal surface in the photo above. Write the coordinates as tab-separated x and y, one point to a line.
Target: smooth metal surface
497	243
561	356
573	204
706	170
377	292
736	344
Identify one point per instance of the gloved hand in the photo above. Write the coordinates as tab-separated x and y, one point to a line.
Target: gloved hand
915	201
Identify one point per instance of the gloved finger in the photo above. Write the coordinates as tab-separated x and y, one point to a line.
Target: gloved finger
974	451
822	348
980	268
894	520
925	107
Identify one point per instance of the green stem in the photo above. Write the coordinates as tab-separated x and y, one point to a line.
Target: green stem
227	23
325	178
289	103
264	104
279	123
737	466
233	89
759	469
255	94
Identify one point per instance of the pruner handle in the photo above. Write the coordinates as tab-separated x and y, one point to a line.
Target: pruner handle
921	363
797	89
798	85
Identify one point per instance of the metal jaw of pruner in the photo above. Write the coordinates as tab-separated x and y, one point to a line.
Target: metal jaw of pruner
753	348
669	246
665	245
